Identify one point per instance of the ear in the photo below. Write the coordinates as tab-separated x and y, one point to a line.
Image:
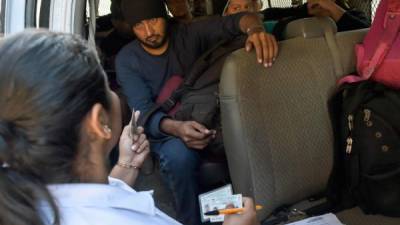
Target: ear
97	122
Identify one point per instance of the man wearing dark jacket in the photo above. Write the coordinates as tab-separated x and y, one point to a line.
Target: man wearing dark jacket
162	50
345	18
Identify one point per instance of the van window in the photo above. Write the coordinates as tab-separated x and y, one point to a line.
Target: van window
374	6
2	16
104	7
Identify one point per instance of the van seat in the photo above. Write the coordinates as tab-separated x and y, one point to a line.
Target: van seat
308	27
276	127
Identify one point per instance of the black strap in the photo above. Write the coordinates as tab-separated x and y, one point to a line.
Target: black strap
285	214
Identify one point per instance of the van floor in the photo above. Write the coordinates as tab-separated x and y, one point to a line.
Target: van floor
162	196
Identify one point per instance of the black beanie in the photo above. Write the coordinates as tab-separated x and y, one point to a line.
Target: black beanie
135	11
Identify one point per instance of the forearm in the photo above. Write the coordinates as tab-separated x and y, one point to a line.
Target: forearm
170	126
336	13
128	175
249	22
352	20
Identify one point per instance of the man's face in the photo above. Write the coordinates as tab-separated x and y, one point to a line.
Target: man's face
237	6
151	32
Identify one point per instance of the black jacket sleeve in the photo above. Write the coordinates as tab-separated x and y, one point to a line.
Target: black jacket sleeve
282	13
352	20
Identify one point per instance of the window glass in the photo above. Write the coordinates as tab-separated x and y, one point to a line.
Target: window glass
104	7
42	13
374	6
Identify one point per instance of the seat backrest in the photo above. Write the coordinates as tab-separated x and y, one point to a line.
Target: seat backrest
276	126
308	28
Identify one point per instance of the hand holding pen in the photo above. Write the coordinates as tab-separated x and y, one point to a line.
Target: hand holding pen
246	217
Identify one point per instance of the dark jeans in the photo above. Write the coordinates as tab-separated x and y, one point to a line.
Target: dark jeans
179	167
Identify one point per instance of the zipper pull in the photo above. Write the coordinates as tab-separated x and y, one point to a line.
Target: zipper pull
349	145
350	122
367	115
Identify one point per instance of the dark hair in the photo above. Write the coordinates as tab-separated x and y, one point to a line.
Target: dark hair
48	84
136	11
116	12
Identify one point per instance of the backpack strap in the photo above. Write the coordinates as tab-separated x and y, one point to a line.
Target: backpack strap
319	205
392	28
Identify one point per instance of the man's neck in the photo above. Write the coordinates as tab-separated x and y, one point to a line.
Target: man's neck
156	51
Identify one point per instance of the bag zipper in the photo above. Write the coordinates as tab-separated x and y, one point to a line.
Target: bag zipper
367	115
349	140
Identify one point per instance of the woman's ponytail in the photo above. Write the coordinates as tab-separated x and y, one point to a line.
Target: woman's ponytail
20	193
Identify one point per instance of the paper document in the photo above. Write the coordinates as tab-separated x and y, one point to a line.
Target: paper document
327	219
218	199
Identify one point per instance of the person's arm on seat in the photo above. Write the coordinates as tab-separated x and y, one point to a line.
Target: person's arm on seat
282	13
345	19
263	43
209	32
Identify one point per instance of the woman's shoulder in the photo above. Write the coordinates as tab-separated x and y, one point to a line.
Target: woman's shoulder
106	204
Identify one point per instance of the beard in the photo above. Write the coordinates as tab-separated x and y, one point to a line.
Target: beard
154	42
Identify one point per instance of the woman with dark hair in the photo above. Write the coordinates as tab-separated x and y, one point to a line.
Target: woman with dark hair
58	123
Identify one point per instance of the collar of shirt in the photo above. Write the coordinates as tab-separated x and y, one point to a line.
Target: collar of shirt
116	194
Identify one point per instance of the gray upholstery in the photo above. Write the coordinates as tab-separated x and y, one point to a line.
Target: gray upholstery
309	27
275	121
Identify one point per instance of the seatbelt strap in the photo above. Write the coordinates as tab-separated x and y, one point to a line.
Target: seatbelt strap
92	23
332	45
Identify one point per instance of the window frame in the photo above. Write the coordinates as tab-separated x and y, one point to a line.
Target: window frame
2	16
14	18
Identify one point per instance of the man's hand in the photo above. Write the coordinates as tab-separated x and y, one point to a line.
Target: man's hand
248	217
265	45
195	135
322	8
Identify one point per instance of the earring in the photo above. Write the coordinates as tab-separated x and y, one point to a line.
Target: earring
107	129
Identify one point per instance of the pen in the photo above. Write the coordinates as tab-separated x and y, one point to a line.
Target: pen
228	211
133	125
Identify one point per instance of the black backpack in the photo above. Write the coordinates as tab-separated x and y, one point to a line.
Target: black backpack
366	123
198	95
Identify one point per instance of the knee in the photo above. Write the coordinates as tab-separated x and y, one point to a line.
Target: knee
176	157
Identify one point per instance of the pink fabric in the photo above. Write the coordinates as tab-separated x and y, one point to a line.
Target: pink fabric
378	57
169	87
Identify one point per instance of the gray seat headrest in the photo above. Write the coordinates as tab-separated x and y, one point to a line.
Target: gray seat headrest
309	27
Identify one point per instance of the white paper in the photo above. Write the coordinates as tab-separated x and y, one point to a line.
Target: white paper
327	219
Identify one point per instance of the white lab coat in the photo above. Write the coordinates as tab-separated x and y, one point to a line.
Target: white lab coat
104	204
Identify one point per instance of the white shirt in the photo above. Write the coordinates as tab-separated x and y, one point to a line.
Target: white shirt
105	204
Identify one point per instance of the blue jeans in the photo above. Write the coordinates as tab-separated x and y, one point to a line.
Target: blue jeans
179	168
